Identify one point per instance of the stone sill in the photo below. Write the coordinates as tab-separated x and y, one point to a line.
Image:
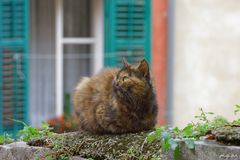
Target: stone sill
22	151
207	150
204	150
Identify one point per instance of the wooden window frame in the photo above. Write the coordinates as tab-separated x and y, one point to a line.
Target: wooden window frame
96	41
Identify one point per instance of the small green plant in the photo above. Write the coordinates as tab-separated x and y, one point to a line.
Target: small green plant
236	111
171	136
203	115
27	133
58	142
6	138
192	132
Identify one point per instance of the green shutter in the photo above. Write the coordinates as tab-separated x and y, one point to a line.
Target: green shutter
127	31
13	64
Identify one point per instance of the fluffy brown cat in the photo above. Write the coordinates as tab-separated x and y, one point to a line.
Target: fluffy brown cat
117	100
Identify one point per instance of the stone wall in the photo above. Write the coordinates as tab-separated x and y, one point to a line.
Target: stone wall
22	151
203	151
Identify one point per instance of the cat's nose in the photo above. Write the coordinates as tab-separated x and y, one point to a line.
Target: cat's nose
115	86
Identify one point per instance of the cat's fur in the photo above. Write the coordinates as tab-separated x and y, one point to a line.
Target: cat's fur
117	100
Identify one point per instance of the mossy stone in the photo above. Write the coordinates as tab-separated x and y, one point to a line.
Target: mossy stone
123	146
229	134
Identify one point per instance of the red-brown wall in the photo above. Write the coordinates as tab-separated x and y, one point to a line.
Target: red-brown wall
159	55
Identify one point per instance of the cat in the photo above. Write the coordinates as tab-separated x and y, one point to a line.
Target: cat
116	101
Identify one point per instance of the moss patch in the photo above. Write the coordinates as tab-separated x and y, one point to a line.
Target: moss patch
124	146
229	134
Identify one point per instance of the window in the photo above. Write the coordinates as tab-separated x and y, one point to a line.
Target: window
78	45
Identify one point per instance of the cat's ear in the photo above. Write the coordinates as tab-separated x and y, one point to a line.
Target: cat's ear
125	63
143	68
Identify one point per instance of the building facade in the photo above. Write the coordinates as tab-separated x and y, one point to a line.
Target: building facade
47	46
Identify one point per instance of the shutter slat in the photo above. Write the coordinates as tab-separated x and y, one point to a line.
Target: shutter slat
127	31
13	64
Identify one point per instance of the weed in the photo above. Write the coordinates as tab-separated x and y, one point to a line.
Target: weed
27	133
190	133
6	138
237	109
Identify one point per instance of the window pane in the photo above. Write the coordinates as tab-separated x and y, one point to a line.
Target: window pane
77	63
77	18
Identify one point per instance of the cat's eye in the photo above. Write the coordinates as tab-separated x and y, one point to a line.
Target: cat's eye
124	78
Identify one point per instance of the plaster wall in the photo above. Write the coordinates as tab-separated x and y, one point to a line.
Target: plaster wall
206	58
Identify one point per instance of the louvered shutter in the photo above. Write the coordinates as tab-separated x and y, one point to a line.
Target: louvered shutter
13	64
127	31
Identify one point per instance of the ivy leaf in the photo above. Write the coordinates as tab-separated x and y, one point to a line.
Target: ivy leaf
155	134
188	130
175	147
152	136
176	153
2	139
189	143
166	137
166	145
159	131
176	130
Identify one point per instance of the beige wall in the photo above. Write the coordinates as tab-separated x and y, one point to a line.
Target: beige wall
206	58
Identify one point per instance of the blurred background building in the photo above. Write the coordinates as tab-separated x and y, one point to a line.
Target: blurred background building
47	46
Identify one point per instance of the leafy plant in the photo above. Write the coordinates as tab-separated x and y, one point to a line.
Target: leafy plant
203	116
219	121
6	138
237	109
192	132
28	132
